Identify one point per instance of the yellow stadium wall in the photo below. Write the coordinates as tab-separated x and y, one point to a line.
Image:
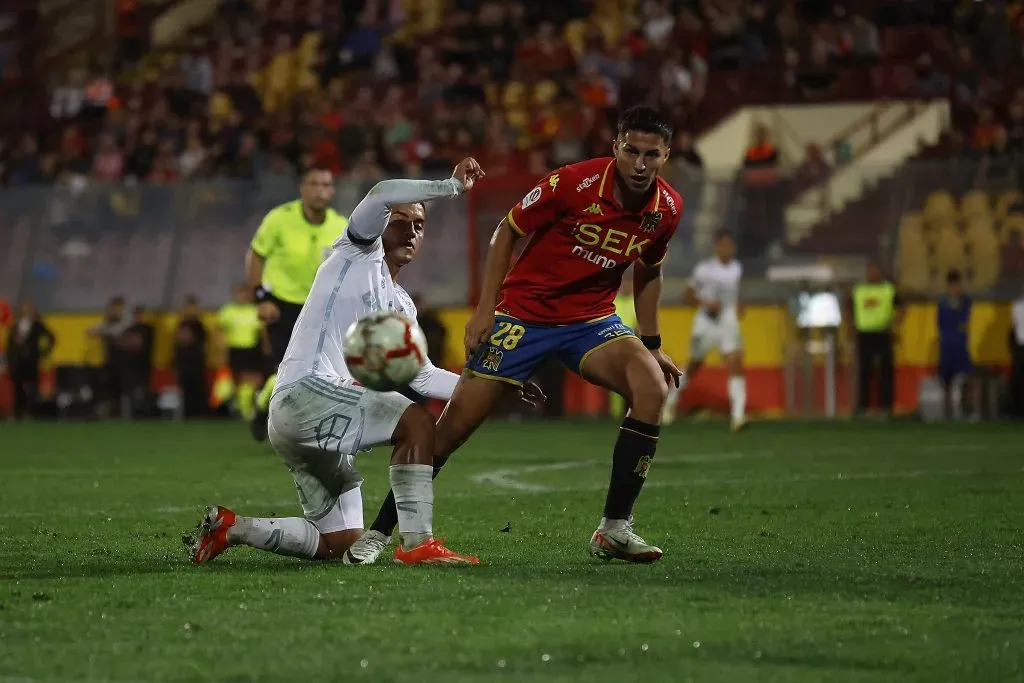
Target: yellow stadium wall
766	333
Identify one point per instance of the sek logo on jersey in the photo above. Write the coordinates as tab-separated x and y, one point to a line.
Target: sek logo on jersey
587	182
531	198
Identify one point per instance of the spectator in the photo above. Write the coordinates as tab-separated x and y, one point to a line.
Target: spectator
191	160
136	361
1017	355
928	81
198	69
190	358
758	35
812	171
865	45
108	164
67	99
23	168
985	130
684	154
108	333
967	83
762	153
658	24
29	342
243	163
1015	129
165	166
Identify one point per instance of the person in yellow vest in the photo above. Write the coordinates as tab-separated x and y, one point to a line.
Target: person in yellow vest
240	337
288	248
627	312
877	312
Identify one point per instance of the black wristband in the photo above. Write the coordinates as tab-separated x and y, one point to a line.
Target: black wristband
260	294
652	342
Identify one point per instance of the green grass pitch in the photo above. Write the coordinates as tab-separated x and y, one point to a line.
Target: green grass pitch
794	552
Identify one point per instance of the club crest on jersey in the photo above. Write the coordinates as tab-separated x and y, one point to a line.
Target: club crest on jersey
492	360
642	466
553	181
650	221
370	301
595	210
531	198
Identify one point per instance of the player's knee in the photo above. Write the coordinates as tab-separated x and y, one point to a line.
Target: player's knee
416	426
648	396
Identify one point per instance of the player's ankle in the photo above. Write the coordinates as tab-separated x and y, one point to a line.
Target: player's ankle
612	524
412	540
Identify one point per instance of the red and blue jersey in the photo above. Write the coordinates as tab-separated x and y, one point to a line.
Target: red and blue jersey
580	242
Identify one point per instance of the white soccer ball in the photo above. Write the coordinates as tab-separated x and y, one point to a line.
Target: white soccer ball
384	351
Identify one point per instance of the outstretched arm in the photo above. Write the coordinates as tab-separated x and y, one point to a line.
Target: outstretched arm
370	217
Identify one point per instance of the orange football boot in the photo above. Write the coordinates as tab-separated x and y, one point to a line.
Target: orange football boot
432	551
211	537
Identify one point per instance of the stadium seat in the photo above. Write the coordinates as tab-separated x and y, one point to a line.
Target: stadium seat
939	206
1013	226
949	248
575	34
975	204
514	96
544	93
1005	203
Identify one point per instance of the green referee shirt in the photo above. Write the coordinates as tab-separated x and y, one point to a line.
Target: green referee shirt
293	249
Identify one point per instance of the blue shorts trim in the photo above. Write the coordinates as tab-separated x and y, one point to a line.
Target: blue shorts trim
516	349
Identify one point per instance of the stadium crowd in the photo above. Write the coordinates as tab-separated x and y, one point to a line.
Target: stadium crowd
372	87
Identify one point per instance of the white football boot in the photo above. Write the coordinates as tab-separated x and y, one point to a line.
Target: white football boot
622	543
367	549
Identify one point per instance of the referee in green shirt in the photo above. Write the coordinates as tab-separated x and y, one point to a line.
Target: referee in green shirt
282	261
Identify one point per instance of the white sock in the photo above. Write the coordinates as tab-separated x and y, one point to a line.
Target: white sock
292	536
738	396
612	524
413	486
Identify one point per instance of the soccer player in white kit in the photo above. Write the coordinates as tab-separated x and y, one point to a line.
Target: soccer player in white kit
715	290
320	418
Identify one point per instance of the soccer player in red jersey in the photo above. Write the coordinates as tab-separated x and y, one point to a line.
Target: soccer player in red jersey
584	226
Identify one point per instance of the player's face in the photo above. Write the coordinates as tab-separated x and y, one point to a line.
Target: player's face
404	234
317	189
639	157
242	295
725	249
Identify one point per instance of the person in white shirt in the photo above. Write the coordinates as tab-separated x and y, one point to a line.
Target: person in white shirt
320	418
714	290
1017	355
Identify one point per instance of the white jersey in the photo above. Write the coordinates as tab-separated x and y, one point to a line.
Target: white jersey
354	281
717	281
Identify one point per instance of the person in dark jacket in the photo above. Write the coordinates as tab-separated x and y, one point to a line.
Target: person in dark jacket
29	342
190	359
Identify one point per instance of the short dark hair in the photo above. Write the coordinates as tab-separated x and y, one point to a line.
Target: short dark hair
645	119
315	167
953	277
191	300
721	234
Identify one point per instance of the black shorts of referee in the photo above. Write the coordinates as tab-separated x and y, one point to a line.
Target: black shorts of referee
279	332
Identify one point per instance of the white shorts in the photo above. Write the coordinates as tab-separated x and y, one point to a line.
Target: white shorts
317	425
722	334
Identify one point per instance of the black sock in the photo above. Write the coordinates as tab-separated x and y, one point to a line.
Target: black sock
634	451
387	516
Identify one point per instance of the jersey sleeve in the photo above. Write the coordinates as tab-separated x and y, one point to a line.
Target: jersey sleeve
543	205
435	382
655	254
370	217
266	237
222	318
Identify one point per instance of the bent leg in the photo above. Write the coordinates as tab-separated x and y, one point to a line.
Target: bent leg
629	369
471	403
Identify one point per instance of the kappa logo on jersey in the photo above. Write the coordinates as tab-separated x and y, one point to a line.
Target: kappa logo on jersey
595	210
553	181
671	202
492	361
650	221
370	301
529	199
587	182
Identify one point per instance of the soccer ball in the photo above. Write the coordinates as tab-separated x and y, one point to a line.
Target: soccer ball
384	351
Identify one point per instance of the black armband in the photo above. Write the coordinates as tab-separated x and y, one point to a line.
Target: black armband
652	342
260	294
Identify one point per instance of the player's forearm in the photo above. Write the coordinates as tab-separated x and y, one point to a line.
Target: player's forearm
254	268
499	256
647	299
369	218
434	382
690	297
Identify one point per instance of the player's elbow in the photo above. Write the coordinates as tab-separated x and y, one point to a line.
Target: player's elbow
504	235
